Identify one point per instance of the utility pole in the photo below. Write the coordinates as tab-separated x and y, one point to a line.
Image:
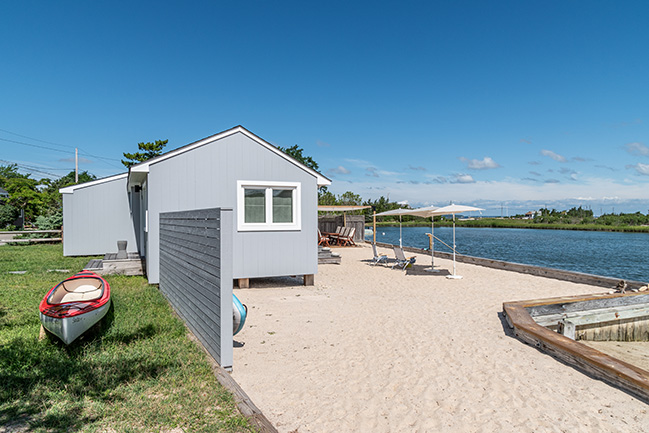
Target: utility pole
76	165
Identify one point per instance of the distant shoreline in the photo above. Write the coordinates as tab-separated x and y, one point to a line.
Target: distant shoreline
516	224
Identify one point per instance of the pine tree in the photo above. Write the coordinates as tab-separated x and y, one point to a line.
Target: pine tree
147	151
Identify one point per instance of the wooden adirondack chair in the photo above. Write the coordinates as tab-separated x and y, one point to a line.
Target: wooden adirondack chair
322	240
347	238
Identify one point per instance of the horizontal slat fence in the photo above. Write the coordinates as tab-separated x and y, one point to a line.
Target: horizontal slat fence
196	275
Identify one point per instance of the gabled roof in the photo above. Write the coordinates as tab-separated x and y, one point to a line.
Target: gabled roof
70	189
138	172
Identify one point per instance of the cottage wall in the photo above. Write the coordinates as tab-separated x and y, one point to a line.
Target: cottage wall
206	177
96	217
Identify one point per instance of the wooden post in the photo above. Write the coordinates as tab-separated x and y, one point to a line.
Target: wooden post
567	328
243	283
309	280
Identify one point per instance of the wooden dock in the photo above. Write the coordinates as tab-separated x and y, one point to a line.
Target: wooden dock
527	319
111	265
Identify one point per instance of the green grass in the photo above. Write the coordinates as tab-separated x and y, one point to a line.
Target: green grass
136	371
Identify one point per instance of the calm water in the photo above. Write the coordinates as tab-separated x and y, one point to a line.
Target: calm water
611	254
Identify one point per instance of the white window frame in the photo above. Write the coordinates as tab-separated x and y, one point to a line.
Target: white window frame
242	225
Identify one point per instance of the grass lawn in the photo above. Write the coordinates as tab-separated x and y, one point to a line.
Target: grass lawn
136	371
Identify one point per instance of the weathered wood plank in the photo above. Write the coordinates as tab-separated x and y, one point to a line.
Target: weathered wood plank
599	303
596	315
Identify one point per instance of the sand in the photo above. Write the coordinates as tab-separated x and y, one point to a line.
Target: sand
371	349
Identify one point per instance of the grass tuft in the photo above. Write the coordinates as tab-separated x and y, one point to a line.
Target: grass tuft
135	371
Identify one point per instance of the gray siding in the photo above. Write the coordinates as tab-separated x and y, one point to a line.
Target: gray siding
96	217
206	177
196	276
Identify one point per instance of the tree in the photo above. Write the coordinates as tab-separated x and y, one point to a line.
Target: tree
147	151
51	197
8	215
350	199
24	195
326	197
296	153
9	172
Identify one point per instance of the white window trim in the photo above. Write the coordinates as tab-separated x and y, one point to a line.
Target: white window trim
269	225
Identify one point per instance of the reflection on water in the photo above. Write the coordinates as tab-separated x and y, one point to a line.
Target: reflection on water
611	254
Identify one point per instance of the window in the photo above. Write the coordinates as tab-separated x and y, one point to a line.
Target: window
255	205
264	206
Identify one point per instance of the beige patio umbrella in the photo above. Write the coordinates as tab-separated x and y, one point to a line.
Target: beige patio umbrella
454	209
428	212
399	212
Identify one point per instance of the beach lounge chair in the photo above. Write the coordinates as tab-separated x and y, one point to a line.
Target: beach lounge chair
347	237
401	260
322	240
333	237
378	258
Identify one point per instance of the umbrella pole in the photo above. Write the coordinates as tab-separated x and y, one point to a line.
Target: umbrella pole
374	228
400	243
454	276
432	246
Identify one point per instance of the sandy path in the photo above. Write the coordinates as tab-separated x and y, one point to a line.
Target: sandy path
370	349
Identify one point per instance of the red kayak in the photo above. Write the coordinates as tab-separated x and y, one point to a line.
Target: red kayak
75	304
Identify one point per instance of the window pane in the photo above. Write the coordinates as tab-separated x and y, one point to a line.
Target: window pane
255	205
282	205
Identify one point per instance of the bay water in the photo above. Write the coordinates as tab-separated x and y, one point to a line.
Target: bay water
610	254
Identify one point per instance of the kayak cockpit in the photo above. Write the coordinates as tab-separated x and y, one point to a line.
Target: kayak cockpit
77	290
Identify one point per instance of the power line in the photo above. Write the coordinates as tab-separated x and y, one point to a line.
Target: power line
55	144
61	151
35	145
36	139
34	169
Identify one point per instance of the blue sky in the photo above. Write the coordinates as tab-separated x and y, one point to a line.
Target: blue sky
508	105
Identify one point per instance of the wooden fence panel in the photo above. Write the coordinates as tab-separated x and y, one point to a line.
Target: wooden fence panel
196	275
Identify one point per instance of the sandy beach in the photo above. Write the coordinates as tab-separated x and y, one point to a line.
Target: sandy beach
371	349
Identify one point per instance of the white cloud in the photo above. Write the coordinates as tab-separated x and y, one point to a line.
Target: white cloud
637	149
640	168
553	155
371	171
476	164
462	178
339	170
442	190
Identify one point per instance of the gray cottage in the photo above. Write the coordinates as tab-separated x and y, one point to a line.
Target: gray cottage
272	196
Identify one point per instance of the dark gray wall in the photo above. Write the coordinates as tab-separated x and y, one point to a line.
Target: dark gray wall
196	275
